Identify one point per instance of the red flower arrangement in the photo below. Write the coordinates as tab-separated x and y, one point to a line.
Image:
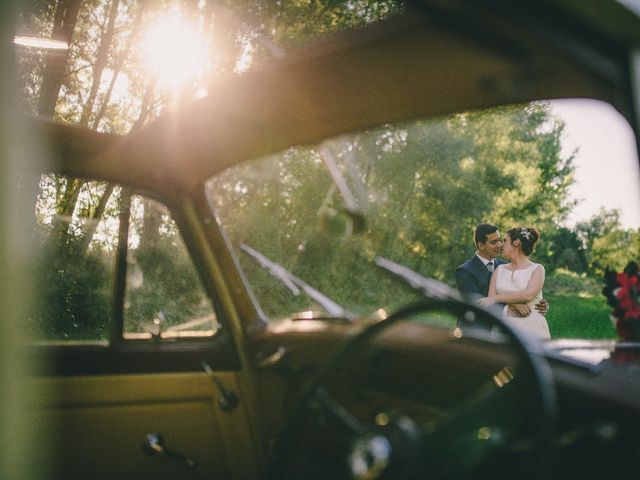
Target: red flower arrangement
622	292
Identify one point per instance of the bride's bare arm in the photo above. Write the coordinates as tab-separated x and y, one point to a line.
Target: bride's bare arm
488	300
515	309
534	287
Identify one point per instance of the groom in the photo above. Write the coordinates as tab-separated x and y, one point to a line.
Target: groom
474	275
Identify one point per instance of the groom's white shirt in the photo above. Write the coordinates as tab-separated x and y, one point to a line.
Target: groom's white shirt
484	260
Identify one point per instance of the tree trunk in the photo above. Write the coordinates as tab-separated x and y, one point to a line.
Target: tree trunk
70	196
118	67
91	229
102	58
65	18
92	226
67	205
145	108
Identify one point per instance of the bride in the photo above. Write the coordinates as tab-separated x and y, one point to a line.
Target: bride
520	281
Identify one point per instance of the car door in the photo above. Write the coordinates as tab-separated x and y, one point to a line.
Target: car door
139	377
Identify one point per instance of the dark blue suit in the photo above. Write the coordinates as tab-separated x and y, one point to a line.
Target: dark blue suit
472	279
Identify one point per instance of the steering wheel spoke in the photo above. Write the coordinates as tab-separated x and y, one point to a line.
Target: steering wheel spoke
341	415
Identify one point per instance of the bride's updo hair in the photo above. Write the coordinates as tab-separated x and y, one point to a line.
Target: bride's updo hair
528	237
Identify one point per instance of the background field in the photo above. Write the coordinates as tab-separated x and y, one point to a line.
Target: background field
578	308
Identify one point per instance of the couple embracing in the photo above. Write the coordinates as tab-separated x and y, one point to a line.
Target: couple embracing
515	287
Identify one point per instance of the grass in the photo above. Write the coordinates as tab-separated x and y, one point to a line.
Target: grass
578	308
579	317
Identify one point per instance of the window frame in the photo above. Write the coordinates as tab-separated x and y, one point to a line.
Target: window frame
121	355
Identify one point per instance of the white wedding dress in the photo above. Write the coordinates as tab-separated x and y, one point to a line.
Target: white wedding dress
508	281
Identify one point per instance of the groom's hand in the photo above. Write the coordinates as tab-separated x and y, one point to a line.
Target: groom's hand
519	310
542	307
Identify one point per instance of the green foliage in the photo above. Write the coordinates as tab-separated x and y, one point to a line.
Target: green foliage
606	243
74	291
423	186
292	23
566	282
562	248
107	83
521	147
426	185
168	288
76	272
162	282
121	93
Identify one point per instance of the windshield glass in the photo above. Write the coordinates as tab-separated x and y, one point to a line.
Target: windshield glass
344	228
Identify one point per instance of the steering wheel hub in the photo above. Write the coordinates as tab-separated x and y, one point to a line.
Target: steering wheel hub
369	456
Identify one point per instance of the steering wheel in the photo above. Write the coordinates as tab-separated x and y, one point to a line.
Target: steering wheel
401	447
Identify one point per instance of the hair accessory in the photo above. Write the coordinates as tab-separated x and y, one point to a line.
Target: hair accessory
525	233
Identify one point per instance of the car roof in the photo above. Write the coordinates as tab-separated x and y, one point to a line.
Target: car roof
436	58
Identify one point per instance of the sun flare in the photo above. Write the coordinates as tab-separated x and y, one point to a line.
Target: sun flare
174	51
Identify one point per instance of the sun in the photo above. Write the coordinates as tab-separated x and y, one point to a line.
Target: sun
174	51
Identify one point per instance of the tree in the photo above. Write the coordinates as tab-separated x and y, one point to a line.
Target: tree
104	41
80	86
563	248
64	22
426	185
521	148
606	243
503	165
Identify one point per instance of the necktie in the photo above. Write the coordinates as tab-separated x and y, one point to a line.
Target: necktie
490	266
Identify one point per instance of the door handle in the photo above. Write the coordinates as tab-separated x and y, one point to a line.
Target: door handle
267	360
154	445
228	400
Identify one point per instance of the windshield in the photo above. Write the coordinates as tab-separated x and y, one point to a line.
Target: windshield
357	223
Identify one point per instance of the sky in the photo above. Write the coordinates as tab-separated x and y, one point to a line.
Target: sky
607	168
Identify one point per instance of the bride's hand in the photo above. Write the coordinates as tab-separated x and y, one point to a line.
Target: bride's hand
519	310
486	301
